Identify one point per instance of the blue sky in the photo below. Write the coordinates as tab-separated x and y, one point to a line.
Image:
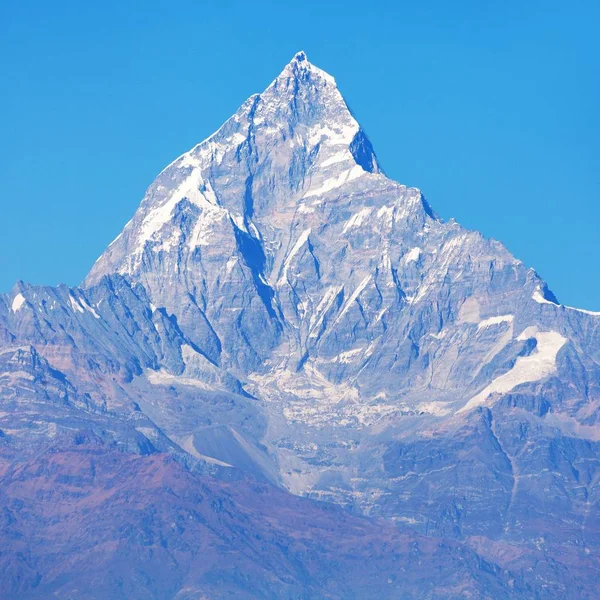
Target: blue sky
490	108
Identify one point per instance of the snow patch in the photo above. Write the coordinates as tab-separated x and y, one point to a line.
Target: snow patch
163	377
299	243
440	335
87	307
335	182
357	292
75	305
413	255
420	294
539	298
495	321
343	134
198	192
526	369
336	158
239	222
349	355
357	219
17	302
230	264
438	409
305	209
324	305
583	310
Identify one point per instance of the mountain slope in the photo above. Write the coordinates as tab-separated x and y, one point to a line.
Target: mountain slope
173	534
339	296
279	307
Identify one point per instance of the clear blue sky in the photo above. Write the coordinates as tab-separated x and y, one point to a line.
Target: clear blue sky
491	108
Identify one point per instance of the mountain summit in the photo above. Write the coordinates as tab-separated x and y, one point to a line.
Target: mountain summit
295	140
278	309
232	200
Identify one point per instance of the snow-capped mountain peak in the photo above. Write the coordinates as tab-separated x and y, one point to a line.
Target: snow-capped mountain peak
279	305
301	68
297	139
314	101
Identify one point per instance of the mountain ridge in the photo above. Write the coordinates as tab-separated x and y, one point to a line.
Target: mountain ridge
279	309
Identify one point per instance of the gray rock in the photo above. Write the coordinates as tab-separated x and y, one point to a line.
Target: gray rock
278	306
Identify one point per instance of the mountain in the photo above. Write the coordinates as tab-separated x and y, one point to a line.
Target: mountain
281	319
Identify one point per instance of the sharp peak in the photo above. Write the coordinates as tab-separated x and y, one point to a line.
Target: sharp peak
300	57
298	76
300	65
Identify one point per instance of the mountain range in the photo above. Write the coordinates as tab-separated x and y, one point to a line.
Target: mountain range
288	377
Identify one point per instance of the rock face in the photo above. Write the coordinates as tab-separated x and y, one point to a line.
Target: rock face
278	309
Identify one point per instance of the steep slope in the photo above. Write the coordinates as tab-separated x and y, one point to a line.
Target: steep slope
209	239
340	299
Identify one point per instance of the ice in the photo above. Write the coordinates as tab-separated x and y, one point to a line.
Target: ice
357	292
495	321
324	305
75	305
438	409
88	308
583	310
299	243
336	158
197	191
526	369
335	182
17	302
539	298
163	377
341	135
413	255
357	218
